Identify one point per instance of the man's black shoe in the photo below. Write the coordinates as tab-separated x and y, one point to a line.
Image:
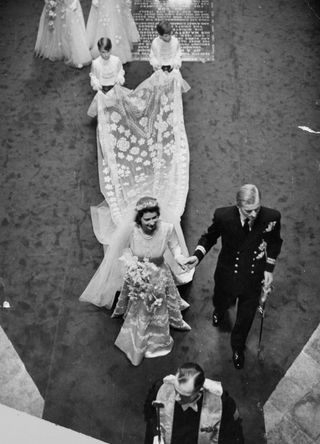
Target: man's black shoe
217	318
238	359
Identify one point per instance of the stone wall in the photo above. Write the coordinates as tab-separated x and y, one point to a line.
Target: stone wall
292	413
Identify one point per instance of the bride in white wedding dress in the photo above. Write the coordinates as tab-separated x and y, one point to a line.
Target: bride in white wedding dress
149	300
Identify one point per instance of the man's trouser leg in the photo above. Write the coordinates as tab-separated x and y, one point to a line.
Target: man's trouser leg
220	300
245	314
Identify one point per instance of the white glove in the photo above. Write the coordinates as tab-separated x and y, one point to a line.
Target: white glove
181	260
156	440
95	84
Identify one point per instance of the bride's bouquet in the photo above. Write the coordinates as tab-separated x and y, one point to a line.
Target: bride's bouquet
145	281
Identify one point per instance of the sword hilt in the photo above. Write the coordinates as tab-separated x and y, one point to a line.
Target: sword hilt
265	291
158	405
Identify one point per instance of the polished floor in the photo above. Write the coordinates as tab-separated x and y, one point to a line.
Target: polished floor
242	116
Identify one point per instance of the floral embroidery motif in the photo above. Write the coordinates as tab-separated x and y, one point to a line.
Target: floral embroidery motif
144	145
51	12
123	144
135	150
115	117
143	121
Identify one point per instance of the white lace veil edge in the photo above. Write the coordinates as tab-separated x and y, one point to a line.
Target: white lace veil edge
108	278
180	277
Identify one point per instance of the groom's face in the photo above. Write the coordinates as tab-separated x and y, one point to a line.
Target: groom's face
250	211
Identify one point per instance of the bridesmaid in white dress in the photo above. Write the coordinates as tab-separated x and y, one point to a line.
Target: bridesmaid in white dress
61	33
112	18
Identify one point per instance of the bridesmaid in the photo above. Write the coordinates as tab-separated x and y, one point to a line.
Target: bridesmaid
61	33
112	18
106	70
165	50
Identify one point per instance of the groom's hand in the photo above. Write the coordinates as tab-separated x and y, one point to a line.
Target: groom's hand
191	262
268	279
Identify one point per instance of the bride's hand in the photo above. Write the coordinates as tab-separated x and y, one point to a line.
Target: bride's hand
191	262
181	261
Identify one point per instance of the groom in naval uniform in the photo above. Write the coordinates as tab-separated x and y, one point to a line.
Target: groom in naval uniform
251	242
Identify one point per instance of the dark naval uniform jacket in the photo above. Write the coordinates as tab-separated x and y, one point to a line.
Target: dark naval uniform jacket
244	256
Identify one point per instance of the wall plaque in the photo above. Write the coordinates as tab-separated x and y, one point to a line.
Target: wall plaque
192	22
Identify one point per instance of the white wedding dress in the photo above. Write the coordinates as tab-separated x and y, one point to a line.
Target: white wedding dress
146	328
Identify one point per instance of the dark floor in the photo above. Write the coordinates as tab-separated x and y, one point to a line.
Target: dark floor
241	117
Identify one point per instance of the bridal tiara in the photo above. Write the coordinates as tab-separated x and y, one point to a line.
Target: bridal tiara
147	204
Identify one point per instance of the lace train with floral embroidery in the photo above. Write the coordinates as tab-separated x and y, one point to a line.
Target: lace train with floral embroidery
142	147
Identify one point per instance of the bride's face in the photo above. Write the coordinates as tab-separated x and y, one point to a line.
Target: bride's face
149	222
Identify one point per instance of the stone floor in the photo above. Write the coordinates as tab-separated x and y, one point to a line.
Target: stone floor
17	389
242	116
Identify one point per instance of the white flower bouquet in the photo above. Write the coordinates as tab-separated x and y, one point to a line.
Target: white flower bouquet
145	281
